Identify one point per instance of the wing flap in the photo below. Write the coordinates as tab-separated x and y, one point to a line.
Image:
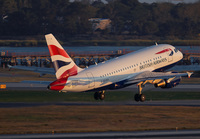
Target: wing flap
155	77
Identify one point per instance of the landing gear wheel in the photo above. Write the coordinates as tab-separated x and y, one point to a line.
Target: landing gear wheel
102	95
142	97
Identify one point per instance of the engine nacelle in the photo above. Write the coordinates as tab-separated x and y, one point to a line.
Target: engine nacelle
166	84
160	84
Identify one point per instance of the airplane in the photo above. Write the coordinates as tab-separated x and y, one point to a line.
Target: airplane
140	67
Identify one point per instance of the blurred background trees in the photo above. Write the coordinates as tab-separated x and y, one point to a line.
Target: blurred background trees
129	17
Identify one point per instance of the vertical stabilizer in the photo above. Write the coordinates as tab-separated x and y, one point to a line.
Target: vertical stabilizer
64	66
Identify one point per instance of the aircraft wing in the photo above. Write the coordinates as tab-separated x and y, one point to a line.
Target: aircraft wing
40	70
155	77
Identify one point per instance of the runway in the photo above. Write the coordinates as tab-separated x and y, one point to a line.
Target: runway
181	87
168	134
189	103
32	86
25	86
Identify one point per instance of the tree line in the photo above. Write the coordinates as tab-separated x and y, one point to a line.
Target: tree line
129	17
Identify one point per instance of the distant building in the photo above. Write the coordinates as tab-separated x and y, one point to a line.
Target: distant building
100	23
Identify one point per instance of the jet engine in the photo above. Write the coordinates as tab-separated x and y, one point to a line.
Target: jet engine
168	83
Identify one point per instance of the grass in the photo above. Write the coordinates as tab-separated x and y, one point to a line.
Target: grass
67	119
60	119
111	96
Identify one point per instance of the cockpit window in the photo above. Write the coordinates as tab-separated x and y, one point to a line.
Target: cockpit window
171	54
176	50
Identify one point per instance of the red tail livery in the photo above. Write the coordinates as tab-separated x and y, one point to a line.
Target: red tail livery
64	66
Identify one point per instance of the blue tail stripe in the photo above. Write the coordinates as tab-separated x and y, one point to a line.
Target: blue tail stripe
58	64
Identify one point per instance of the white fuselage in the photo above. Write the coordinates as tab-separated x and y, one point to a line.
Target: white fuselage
154	58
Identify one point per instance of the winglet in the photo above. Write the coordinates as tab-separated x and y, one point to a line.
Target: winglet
189	74
9	67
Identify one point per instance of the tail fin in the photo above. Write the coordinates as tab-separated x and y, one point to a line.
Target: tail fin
64	66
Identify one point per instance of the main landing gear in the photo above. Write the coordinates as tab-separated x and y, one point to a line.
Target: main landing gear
99	95
140	97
